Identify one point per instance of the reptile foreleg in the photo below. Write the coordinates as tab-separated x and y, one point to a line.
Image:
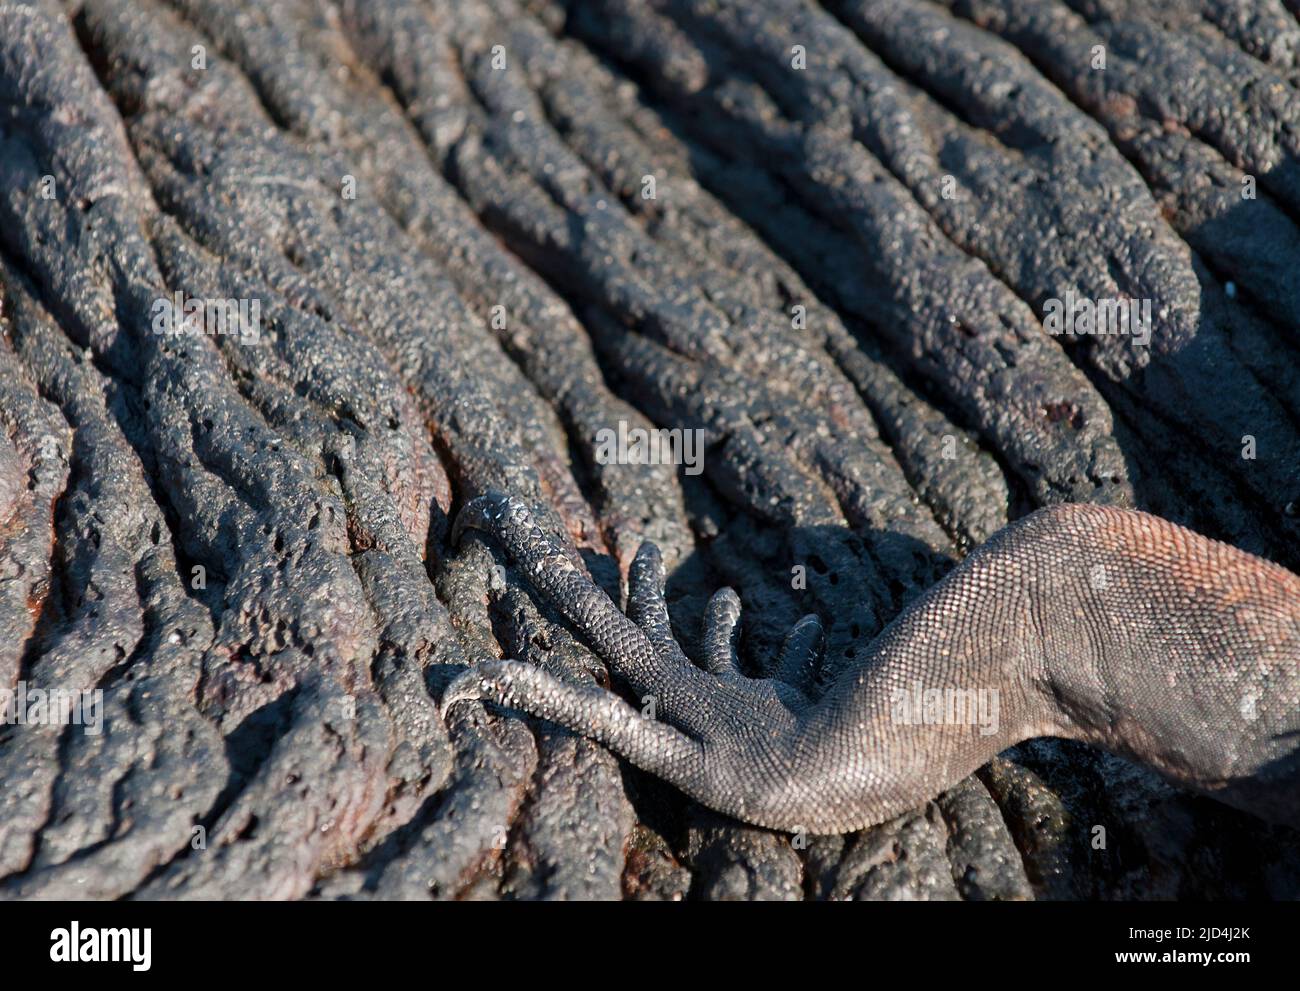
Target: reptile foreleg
1099	624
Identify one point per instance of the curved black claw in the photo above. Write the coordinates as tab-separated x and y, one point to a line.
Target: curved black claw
801	655
721	629
646	606
488	512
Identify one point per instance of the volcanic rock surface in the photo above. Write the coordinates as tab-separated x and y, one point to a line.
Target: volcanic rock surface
480	233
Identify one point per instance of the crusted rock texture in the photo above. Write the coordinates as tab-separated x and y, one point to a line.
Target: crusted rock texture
823	237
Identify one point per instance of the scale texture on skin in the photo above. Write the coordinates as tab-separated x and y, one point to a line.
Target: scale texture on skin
1088	622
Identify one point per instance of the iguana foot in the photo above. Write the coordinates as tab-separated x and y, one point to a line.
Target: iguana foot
697	727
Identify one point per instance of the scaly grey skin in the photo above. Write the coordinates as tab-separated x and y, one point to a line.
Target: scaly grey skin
1097	624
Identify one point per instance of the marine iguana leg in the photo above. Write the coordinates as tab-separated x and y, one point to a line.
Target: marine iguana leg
1103	625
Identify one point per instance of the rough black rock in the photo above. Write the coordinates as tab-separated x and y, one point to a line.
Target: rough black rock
480	234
